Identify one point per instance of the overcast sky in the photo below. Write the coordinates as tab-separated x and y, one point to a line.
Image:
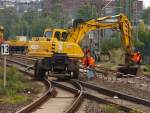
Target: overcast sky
146	3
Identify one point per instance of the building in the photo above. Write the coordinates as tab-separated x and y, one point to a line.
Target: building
21	5
71	6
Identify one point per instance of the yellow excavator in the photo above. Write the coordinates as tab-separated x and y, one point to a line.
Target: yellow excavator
60	52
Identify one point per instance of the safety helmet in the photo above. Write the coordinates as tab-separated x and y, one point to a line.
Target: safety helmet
1	28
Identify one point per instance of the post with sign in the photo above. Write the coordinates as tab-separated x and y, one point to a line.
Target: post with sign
4	52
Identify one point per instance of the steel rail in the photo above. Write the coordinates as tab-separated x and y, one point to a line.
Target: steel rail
49	92
74	106
79	91
21	64
112	93
39	101
106	92
24	57
89	96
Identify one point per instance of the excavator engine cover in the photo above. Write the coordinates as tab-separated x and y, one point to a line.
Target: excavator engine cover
132	70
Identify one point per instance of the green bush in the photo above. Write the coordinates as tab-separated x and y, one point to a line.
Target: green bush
110	44
146	68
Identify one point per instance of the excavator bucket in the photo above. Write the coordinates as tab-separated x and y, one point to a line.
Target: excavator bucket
134	70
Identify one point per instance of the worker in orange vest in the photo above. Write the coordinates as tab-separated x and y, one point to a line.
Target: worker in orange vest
89	63
136	57
88	60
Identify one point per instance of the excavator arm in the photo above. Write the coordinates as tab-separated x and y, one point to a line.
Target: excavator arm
80	28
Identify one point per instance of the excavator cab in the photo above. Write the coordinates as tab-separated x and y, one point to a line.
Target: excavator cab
59	34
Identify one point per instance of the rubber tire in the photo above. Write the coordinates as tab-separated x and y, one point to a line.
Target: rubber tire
76	71
39	71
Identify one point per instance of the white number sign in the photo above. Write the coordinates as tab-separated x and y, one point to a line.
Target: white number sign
4	49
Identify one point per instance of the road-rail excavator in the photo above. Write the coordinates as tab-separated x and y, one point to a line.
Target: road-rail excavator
60	52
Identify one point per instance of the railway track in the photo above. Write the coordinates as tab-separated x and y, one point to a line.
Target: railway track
72	105
84	91
140	82
104	96
94	91
50	92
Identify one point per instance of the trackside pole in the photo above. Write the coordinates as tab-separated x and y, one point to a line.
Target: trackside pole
5	71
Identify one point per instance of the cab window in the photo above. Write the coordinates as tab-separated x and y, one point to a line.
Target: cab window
58	35
48	34
64	36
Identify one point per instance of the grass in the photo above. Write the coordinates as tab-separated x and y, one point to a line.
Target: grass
109	65
13	93
146	68
135	111
115	109
117	57
110	109
12	97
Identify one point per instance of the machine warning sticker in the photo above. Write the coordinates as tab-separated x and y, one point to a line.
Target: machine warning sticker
34	46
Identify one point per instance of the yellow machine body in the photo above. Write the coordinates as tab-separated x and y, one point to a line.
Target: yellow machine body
46	46
19	45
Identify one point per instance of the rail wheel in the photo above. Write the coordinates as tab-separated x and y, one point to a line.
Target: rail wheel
74	69
76	72
39	71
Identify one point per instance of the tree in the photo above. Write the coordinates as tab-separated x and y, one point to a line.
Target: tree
109	44
8	18
86	12
144	36
29	23
57	13
146	15
115	43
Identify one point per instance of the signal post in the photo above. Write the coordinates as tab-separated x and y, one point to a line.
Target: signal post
4	53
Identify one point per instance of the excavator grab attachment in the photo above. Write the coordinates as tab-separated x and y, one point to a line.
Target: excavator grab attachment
129	71
132	67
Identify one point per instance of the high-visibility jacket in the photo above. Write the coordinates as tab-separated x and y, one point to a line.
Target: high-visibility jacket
136	57
89	61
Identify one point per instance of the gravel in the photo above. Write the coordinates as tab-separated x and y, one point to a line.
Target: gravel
120	86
